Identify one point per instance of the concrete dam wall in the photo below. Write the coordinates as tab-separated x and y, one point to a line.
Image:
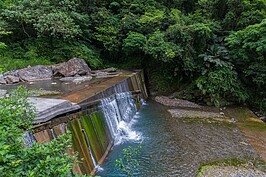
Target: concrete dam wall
93	114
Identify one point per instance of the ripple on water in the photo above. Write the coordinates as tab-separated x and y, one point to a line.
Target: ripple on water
175	148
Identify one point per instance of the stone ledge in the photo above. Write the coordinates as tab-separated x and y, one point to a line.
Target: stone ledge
48	108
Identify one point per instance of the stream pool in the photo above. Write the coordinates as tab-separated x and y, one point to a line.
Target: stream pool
174	147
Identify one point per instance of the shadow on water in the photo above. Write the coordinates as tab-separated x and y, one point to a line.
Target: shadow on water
172	147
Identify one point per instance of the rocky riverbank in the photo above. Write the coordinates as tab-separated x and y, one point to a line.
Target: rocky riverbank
235	121
75	70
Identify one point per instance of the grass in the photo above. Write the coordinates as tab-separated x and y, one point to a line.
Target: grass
8	64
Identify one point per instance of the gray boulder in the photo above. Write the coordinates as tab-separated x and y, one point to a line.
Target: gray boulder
35	73
11	79
71	68
2	79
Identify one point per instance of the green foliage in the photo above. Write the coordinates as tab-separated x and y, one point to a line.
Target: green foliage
160	49
2	32
49	159
108	31
134	42
247	48
64	51
128	161
45	18
176	42
233	14
221	85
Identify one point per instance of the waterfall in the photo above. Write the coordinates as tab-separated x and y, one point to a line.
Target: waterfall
89	147
112	114
119	111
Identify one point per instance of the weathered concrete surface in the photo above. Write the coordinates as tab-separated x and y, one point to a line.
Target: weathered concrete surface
93	89
48	108
231	171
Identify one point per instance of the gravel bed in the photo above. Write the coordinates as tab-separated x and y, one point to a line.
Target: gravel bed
181	113
176	102
230	171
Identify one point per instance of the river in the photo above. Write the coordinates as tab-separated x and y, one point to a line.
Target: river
175	147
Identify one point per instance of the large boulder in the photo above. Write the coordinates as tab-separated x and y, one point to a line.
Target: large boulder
11	79
35	73
72	67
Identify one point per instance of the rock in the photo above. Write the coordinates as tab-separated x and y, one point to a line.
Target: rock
11	79
71	68
110	70
35	73
2	79
103	74
176	102
76	79
182	113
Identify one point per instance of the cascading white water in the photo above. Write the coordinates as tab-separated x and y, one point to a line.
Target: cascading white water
119	111
89	147
112	114
127	106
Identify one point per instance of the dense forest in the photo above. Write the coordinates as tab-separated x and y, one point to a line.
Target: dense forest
211	51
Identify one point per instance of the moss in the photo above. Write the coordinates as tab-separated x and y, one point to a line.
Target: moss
252	125
236	162
49	95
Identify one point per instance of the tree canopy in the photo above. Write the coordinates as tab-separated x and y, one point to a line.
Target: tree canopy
215	49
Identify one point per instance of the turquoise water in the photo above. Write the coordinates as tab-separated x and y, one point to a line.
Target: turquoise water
174	147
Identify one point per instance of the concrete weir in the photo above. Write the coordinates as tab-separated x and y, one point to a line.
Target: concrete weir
81	112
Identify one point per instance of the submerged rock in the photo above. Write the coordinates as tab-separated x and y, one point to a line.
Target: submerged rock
71	68
76	79
35	73
110	70
176	102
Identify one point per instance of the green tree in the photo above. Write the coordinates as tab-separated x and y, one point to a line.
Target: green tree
128	162
247	48
48	159
58	19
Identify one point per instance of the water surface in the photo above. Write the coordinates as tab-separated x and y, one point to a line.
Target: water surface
174	147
